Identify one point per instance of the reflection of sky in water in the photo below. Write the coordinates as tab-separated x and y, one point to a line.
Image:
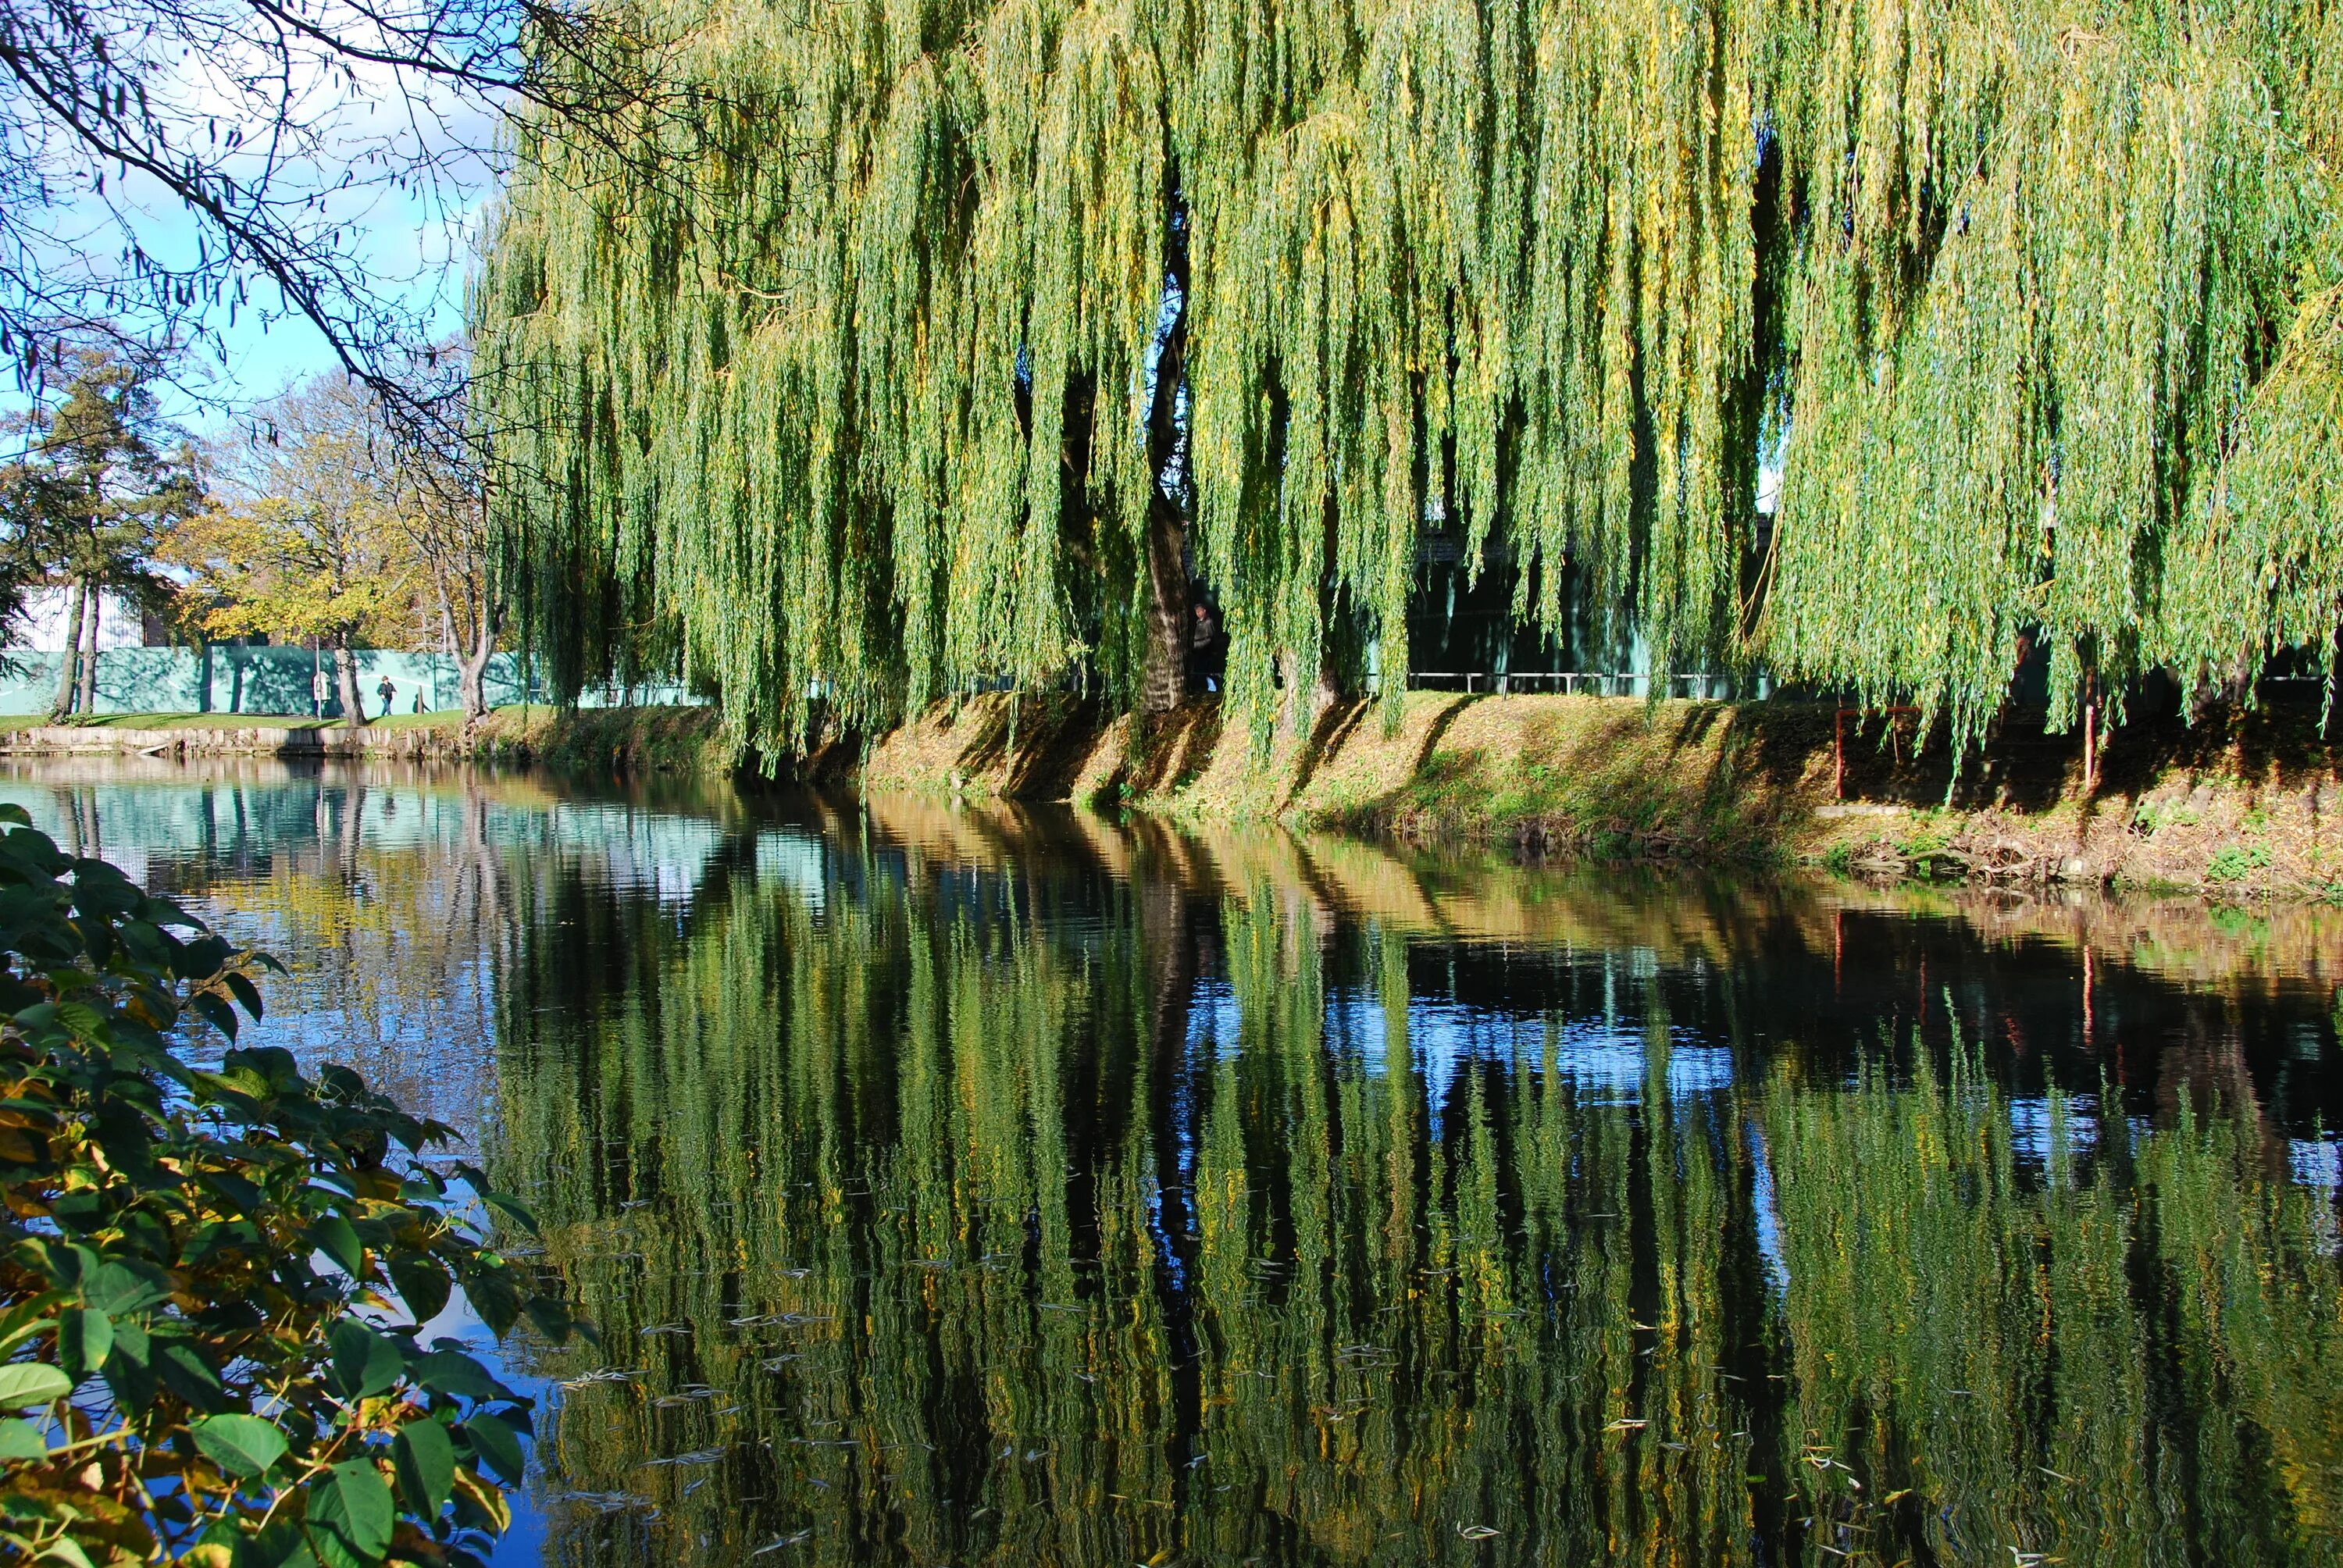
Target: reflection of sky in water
1767	1208
796	861
1604	1059
2035	1126
2316	1164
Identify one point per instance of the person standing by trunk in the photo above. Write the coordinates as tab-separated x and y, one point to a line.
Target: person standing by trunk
389	693
1204	651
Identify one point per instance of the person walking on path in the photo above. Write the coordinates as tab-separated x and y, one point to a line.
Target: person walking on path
389	693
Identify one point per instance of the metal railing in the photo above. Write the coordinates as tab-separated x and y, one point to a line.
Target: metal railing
1568	683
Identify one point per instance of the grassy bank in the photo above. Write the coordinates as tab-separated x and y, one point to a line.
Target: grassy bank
606	740
2241	806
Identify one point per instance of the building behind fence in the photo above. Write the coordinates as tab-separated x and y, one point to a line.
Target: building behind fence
226	678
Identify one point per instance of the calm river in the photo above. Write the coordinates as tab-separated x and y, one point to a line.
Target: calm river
974	1185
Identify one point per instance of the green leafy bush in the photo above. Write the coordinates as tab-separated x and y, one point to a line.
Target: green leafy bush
210	1279
2233	862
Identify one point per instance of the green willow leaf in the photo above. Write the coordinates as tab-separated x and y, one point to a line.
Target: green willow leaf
1873	343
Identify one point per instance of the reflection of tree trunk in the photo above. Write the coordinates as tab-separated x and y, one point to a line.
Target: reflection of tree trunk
89	659
1169	951
68	665
346	680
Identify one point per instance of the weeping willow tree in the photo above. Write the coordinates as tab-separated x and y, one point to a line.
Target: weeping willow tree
951	338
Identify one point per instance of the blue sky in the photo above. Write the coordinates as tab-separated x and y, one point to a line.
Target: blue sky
364	140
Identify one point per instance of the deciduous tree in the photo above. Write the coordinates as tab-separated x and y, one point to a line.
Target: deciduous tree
306	540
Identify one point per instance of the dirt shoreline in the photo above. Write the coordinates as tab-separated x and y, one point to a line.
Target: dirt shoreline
2249	805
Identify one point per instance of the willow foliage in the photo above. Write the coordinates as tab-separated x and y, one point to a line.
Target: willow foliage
844	383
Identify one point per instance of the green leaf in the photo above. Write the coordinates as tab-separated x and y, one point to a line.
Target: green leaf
130	1370
242	1445
512	1209
186	1371
241	1196
365	1362
246	992
66	1550
25	1318
338	1239
215	1011
422	1284
283	1544
454	1372
85	1335
27	1383
118	1288
21	1440
425	1461
498	1444
351	1506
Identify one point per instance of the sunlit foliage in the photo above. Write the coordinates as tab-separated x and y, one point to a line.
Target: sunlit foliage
839	387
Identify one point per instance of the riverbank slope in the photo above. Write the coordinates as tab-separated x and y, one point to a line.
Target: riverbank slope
2242	804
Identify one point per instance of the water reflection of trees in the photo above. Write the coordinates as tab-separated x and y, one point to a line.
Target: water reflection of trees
1110	1191
957	1184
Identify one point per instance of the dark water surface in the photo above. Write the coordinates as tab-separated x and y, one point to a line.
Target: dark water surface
973	1185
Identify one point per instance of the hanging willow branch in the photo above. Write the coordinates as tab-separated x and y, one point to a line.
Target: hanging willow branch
2034	305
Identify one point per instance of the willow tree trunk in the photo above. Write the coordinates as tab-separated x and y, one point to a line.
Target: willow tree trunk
345	682
1163	674
68	664
89	658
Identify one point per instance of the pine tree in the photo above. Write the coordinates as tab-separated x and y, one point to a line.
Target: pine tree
88	505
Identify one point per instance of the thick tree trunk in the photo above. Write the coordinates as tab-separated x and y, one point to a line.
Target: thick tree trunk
472	679
69	663
1164	676
89	658
345	682
1163	673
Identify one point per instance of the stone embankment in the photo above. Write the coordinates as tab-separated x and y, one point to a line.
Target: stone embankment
405	743
596	740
